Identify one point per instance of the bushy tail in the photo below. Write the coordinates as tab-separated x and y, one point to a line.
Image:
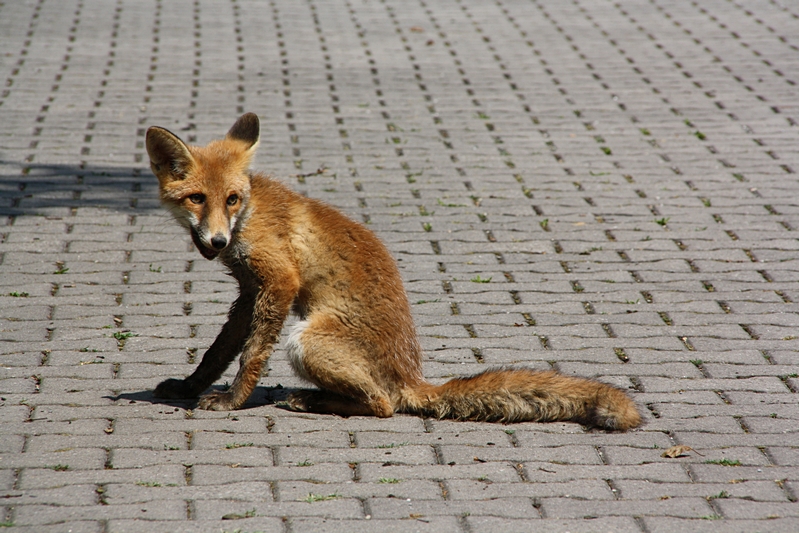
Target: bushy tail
523	395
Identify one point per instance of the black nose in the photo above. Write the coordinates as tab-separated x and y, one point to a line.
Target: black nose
219	242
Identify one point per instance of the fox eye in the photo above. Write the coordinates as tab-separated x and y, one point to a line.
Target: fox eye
233	199
197	198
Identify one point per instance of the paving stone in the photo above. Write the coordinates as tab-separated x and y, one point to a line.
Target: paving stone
443	524
264	524
42	514
680	507
396	508
664	524
749	490
489	524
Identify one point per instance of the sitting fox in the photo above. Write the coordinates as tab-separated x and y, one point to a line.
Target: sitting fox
356	339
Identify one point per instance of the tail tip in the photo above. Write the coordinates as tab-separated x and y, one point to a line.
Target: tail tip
618	417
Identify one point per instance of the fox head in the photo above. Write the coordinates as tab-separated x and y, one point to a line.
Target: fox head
207	188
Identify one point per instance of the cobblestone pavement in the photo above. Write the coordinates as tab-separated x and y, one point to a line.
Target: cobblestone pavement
609	189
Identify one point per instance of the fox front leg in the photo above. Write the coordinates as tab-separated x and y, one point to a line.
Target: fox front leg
269	314
225	348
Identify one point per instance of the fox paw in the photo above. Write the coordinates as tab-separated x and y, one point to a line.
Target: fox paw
173	389
300	401
218	401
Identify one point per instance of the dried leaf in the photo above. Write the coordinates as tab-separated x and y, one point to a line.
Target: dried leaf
679	451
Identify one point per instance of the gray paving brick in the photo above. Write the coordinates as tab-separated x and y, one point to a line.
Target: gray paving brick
444	524
265	524
489	524
664	524
43	514
332	507
396	508
40	478
679	507
749	490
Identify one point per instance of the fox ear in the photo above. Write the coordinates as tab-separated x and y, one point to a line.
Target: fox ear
169	156
247	129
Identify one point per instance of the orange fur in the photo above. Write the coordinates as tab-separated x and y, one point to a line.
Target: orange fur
356	339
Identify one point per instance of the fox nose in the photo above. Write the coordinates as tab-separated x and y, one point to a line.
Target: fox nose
218	242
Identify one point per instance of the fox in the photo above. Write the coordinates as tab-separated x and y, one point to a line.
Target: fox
355	338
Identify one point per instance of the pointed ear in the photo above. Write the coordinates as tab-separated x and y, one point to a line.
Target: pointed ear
169	156
247	129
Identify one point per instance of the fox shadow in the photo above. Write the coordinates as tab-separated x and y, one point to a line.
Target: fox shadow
261	396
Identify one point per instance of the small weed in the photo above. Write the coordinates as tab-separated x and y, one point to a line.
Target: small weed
7	523
591	250
428	227
305	463
237	516
123	335
311	498
61	270
16	294
607	150
392	445
711	517
234	445
697	362
662	221
723	495
148	484
724	462
419	302
388	480
171	448
444	204
544	224
598	173
155	269
482	115
510	431
700	135
632	302
645	131
58	467
478	279
706	202
87	349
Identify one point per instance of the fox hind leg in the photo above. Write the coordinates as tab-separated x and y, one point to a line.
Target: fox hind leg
337	366
324	402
